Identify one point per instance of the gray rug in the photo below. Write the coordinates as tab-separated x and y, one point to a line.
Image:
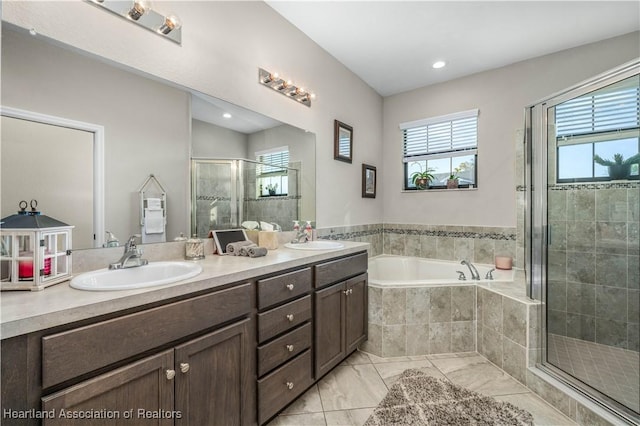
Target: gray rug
418	399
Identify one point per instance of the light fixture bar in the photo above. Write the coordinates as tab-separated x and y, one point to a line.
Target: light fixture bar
285	87
141	12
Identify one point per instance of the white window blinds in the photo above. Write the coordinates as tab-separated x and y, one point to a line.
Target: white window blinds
276	161
614	108
447	135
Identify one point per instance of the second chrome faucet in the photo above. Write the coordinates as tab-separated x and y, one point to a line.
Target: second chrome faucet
475	275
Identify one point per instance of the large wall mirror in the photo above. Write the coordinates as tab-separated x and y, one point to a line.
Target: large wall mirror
67	101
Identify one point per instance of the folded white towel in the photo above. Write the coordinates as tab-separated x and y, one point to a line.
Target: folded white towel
153	221
154	204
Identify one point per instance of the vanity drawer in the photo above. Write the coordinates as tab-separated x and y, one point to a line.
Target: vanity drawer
283	348
75	352
283	386
283	287
280	319
340	269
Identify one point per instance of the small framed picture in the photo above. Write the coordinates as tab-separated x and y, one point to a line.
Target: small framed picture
342	142
369	178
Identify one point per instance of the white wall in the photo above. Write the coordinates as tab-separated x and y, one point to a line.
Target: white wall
501	96
223	45
146	123
211	141
35	165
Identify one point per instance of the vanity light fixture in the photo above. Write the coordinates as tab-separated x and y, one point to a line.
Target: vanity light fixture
285	87
140	12
439	64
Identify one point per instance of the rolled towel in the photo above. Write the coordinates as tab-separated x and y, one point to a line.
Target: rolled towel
234	248
257	251
244	250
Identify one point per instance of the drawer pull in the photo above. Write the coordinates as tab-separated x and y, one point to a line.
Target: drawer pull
170	374
290	287
290	348
184	367
289	385
290	317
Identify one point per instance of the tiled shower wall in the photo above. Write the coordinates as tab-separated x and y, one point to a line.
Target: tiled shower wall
594	282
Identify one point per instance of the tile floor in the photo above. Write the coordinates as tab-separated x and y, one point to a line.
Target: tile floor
613	371
350	392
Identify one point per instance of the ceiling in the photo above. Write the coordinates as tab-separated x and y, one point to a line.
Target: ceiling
391	45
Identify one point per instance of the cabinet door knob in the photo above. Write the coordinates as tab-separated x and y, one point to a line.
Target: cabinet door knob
290	348
290	287
184	367
170	374
346	292
350	291
290	317
289	385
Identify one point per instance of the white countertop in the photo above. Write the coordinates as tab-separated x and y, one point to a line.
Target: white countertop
23	312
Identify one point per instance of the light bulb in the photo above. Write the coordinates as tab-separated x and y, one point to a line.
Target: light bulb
140	7
439	64
226	115
171	22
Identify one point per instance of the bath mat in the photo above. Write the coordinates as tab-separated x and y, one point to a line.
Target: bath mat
419	399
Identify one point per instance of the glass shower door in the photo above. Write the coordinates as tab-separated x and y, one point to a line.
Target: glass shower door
214	193
590	207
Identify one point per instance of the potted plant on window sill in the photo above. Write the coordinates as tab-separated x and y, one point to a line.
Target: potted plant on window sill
619	168
272	188
452	181
421	179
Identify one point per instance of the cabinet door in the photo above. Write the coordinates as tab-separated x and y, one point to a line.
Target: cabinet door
215	378
357	312
330	339
133	394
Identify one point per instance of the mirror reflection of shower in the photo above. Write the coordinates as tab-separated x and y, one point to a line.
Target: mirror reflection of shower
225	193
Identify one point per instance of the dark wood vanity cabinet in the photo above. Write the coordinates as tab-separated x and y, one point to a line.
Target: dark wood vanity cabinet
204	381
284	352
341	312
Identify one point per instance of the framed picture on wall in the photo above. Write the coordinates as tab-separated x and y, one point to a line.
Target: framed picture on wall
342	142
369	178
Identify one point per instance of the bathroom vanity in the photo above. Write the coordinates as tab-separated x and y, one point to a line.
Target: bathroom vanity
233	346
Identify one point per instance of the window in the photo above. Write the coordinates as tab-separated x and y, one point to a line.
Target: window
443	146
272	172
602	123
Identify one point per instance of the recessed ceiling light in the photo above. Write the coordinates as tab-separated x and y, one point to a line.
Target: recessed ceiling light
226	115
439	64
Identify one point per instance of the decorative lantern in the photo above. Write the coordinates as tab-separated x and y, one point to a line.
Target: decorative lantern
35	250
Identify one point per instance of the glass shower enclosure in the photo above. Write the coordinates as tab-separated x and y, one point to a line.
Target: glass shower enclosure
225	193
583	248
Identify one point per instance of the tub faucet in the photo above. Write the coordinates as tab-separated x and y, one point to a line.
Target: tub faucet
132	256
475	275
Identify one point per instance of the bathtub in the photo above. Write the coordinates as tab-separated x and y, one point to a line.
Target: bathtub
401	271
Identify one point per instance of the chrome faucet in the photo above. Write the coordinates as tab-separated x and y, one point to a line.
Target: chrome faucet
132	256
301	237
475	275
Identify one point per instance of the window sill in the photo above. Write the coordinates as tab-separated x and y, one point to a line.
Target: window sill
419	191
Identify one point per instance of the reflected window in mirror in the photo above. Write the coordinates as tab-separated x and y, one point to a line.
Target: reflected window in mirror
272	176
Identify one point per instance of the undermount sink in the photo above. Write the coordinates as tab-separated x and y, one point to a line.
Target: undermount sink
155	273
315	245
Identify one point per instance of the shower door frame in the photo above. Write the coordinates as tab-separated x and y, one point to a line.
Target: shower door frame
536	229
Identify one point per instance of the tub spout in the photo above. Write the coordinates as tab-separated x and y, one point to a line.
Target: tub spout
475	275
